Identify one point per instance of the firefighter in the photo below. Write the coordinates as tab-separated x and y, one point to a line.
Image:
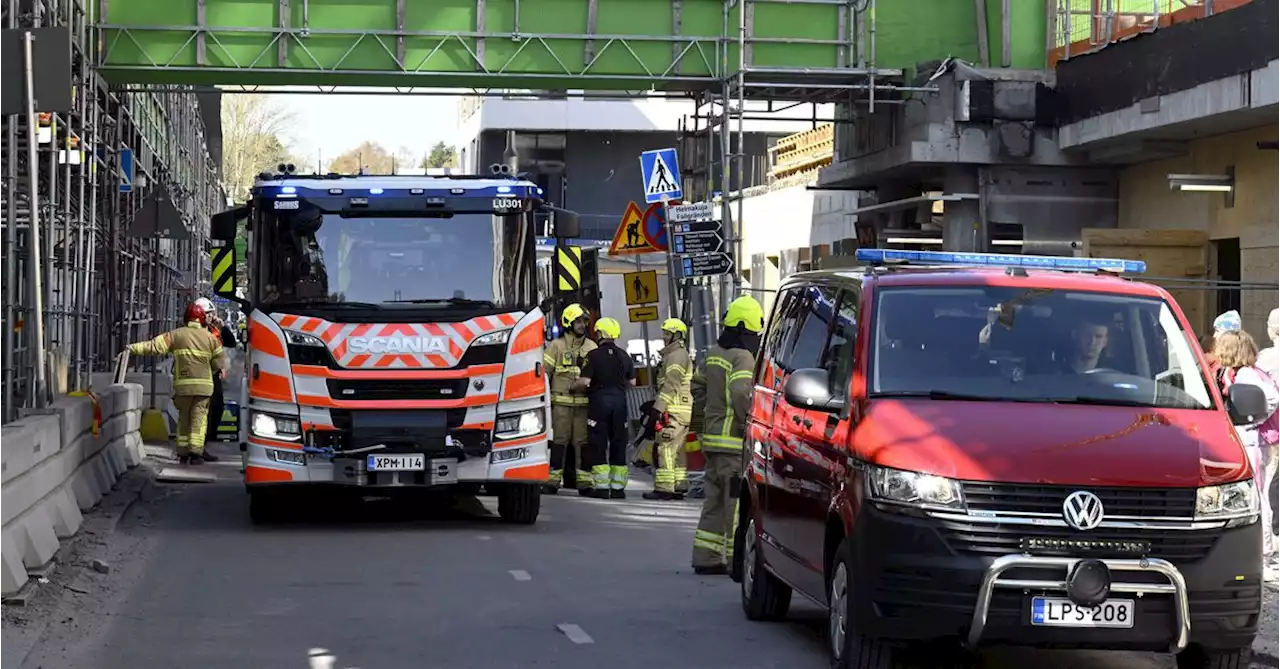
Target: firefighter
607	375
672	411
563	360
725	375
216	401
197	357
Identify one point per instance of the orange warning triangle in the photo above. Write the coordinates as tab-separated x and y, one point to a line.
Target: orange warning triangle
630	238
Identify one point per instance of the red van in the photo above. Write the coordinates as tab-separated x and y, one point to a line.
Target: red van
997	449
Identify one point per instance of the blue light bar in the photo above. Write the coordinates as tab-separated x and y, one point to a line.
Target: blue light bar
288	189
880	256
375	191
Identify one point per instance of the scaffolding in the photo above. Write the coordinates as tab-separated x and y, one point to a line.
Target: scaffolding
79	283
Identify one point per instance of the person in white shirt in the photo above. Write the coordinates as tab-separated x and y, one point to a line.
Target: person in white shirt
1237	353
1269	357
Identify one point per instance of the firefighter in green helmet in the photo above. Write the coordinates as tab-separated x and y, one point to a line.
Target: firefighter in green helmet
726	376
563	360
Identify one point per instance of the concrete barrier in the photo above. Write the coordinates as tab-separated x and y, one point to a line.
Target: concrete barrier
53	468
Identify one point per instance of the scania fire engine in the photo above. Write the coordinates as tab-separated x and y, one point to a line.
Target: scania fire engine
395	336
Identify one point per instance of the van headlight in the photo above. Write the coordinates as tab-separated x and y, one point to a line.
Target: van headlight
914	488
272	426
517	425
1237	501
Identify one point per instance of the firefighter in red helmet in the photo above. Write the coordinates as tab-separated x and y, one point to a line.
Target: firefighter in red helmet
197	357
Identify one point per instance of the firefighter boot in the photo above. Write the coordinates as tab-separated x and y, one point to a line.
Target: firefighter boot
208	457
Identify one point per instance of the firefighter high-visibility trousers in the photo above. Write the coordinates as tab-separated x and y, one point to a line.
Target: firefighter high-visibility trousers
713	540
193	420
669	473
569	429
607	434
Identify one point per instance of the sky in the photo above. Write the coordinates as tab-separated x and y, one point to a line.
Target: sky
326	124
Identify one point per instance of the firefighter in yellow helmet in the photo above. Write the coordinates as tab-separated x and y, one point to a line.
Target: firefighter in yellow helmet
672	410
563	359
607	375
197	357
725	375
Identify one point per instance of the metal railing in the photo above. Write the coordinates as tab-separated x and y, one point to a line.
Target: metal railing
1078	27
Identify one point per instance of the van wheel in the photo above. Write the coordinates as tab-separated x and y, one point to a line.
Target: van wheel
519	503
1197	657
764	596
265	507
849	649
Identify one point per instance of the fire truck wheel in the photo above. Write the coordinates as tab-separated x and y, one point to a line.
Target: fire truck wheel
519	503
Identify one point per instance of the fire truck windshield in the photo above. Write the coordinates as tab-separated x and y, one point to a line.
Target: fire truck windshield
464	258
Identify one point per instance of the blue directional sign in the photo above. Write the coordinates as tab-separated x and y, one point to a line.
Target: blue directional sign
126	170
661	173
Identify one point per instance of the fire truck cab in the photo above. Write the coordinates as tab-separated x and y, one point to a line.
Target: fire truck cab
395	336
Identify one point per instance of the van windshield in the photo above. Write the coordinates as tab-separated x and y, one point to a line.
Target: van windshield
1033	345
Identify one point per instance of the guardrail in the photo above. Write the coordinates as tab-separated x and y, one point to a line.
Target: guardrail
59	462
1078	27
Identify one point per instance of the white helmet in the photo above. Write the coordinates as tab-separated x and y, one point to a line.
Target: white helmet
206	304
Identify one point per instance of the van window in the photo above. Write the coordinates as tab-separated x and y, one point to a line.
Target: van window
1033	345
838	360
817	307
783	320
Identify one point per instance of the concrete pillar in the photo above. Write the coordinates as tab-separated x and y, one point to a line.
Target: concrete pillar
962	226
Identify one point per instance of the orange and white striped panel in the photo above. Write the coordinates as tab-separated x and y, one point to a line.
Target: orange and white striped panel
269	375
397	345
524	377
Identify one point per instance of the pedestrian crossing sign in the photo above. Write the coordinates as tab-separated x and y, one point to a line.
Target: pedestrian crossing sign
661	173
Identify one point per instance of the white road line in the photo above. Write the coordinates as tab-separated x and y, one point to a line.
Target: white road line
319	658
574	633
520	575
483	537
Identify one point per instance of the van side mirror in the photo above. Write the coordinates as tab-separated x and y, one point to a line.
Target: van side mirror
810	389
1246	404
567	225
222	226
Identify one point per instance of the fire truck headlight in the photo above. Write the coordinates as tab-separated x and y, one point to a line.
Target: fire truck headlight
517	425
492	338
302	339
275	427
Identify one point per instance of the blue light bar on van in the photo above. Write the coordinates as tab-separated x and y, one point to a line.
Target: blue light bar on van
879	256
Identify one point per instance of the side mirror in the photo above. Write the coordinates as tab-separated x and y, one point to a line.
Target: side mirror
222	226
1246	404
810	389
567	225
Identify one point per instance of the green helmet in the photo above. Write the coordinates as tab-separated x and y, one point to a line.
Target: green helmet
571	313
675	325
608	328
747	312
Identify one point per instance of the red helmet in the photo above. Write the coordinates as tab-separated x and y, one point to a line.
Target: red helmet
196	313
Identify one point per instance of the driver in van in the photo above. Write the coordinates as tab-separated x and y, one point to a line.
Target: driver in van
1088	340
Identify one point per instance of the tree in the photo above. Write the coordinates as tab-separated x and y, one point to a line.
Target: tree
441	155
371	155
253	140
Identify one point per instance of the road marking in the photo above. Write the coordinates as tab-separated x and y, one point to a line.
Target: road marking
520	575
483	537
319	658
574	633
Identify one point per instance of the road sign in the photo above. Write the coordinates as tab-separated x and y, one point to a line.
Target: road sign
642	287
643	314
126	170
711	264
694	211
708	241
697	226
633	235
661	175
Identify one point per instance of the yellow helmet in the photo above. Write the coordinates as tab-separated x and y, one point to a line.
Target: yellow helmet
572	313
747	312
608	328
675	325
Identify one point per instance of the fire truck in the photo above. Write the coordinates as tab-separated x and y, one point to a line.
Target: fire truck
395	336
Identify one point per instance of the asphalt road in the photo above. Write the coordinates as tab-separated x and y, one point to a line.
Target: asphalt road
593	584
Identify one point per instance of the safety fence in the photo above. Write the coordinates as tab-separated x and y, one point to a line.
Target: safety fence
58	463
1078	27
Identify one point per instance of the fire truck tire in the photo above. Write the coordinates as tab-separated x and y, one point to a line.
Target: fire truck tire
519	503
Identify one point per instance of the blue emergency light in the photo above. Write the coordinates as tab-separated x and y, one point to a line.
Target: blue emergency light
881	256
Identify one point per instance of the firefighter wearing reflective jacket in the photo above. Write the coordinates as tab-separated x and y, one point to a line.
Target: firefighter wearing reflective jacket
725	375
672	410
197	357
563	359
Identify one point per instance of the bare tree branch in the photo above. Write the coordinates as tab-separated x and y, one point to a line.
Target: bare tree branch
254	138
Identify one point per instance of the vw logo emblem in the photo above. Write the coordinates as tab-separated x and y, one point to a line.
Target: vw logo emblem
1082	510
